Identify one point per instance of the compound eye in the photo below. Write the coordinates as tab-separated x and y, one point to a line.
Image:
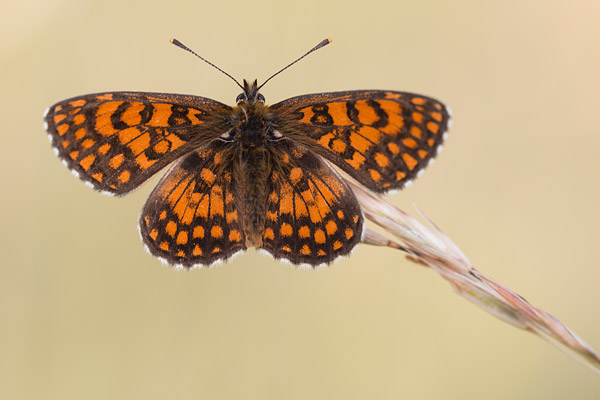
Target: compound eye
241	97
260	98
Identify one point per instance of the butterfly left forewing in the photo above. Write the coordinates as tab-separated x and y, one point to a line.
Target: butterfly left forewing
383	139
116	141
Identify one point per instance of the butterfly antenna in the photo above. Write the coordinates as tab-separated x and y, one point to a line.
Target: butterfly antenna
179	44
324	42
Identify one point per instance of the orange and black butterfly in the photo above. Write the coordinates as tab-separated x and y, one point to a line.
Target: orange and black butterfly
252	175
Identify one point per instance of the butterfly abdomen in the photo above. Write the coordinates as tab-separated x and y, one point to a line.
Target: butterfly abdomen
253	171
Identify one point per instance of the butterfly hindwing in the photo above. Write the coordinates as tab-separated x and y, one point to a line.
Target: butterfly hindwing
312	216
116	141
380	138
191	217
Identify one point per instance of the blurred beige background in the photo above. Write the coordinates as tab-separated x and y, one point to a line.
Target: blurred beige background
86	313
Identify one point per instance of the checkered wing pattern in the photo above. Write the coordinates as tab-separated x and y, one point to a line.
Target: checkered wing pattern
312	216
115	141
383	139
191	218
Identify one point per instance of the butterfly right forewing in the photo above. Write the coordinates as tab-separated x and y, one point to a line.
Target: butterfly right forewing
383	139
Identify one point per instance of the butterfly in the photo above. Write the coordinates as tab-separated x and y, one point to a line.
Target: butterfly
252	175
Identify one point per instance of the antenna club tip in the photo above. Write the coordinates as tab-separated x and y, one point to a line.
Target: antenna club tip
323	42
171	40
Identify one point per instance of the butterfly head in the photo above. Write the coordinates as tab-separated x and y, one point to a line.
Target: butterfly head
250	93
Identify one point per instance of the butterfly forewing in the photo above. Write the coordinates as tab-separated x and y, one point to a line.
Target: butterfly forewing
380	138
116	141
192	217
312	216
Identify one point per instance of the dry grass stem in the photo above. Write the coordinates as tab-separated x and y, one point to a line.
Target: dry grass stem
428	245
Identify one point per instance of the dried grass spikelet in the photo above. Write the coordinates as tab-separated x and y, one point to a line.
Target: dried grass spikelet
428	245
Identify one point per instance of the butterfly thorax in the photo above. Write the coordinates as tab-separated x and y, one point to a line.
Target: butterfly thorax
250	124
